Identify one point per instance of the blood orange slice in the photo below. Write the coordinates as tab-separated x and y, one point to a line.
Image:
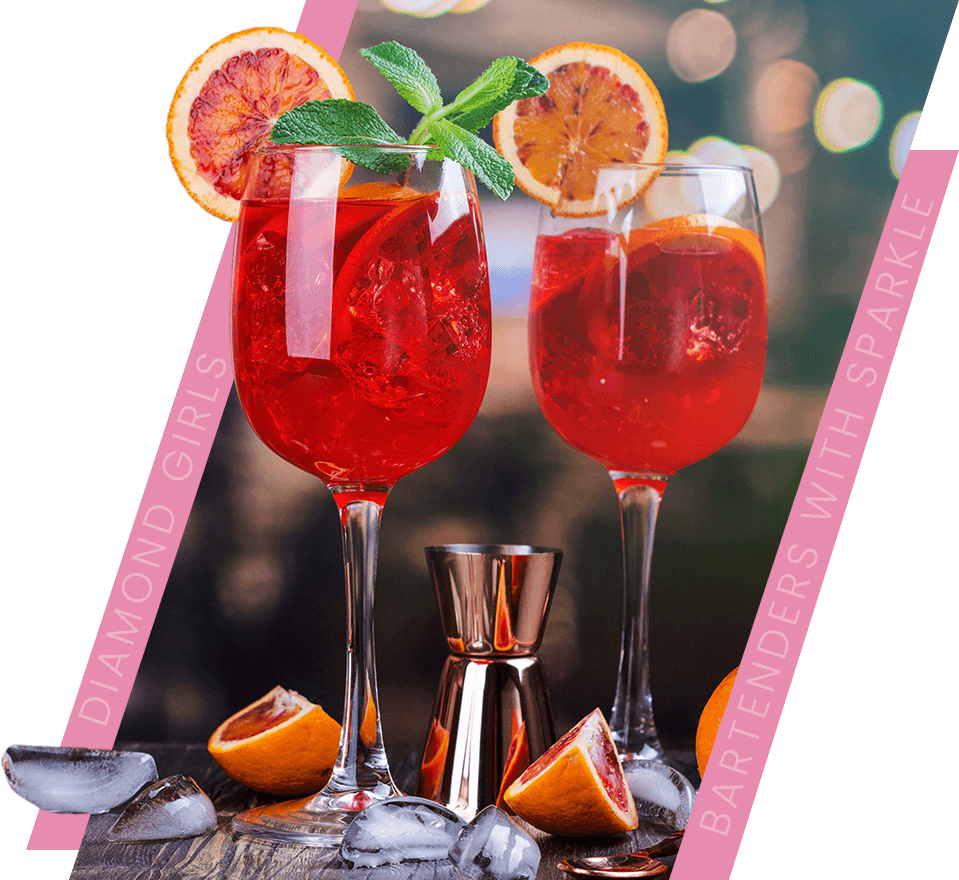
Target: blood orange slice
577	786
228	101
281	744
600	108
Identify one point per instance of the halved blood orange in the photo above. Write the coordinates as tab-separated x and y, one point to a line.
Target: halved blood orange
577	787
600	108
228	101
281	744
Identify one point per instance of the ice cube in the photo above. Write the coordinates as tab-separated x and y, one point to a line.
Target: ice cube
171	808
438	870
60	779
491	847
397	830
662	794
719	318
265	263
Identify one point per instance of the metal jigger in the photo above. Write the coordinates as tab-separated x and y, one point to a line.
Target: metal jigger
493	601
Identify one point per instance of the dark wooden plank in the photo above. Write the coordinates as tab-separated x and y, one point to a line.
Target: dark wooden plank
222	855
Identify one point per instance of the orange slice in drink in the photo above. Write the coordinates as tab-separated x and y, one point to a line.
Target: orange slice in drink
396	222
228	101
693	234
600	108
710	720
695	231
577	787
281	744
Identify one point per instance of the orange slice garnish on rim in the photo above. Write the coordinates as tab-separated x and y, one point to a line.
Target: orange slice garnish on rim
600	108
228	101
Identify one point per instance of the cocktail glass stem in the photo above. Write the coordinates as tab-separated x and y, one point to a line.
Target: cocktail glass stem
361	774
631	723
361	767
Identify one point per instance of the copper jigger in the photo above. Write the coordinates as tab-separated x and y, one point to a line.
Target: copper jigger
493	697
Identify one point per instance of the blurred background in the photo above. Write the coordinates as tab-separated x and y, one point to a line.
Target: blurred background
821	98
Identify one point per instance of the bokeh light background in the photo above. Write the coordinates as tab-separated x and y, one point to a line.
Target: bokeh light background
821	98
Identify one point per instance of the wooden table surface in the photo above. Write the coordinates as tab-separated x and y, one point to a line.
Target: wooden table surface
223	854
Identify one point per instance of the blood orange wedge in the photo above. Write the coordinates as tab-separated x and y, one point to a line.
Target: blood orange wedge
228	101
577	786
281	744
600	108
710	720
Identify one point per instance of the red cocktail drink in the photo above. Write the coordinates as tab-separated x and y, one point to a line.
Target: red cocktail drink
361	350
405	363
648	349
647	333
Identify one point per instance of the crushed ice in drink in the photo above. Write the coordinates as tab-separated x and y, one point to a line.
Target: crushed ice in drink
491	847
61	779
662	794
398	830
174	807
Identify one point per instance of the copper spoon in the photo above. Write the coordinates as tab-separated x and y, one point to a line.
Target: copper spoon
624	865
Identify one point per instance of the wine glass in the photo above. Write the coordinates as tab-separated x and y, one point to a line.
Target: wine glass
361	349
647	346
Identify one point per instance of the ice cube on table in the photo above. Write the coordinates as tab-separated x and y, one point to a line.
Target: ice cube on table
491	847
662	794
397	830
174	807
60	779
438	870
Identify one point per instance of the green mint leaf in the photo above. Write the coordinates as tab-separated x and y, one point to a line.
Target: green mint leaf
333	121
409	73
527	82
489	85
474	153
347	124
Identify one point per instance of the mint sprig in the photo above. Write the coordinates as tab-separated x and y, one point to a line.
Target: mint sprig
451	127
408	72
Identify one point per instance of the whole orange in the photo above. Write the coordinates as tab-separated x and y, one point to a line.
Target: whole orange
711	718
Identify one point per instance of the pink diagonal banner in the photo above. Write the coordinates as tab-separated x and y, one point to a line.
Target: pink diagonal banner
167	500
756	702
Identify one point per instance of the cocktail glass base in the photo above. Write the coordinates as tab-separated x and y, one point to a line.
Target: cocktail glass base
651	750
319	820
